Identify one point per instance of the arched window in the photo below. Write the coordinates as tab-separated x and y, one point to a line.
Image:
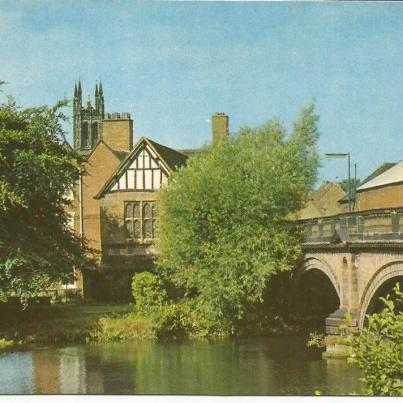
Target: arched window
84	135
94	134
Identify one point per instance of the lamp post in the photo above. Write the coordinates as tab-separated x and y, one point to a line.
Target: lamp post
339	156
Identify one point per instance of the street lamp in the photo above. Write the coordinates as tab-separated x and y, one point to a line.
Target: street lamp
331	156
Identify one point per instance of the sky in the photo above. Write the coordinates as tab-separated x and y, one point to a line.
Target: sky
172	64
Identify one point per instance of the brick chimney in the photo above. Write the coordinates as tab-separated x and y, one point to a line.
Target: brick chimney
219	127
117	131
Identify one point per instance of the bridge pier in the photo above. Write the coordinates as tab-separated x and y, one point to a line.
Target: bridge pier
338	320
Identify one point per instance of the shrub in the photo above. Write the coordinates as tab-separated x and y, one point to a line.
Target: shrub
6	344
127	327
148	293
378	349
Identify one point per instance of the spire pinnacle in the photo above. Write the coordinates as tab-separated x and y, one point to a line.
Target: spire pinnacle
96	90
79	88
75	90
100	88
89	102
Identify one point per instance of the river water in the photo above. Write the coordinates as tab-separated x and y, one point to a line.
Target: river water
259	366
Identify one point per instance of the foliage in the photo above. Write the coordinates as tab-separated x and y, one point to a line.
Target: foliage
60	323
37	171
127	327
6	344
227	223
148	293
354	184
316	339
378	349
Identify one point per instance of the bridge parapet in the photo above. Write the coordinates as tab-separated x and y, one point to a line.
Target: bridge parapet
367	226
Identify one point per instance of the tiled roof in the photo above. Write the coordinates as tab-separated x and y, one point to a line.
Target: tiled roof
172	157
120	154
324	202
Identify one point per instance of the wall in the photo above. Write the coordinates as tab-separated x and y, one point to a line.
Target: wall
382	197
118	134
100	165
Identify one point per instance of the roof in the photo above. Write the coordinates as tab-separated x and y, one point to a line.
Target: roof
171	158
391	173
120	154
381	169
190	151
323	202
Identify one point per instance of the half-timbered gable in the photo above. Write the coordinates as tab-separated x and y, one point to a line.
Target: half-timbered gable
146	169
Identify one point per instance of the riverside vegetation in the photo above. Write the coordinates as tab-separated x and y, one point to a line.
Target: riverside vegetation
377	348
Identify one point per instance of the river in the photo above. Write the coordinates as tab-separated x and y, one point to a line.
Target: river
259	366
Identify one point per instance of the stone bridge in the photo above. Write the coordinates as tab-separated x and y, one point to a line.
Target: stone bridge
359	253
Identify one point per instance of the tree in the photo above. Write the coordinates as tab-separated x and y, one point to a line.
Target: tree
37	171
354	185
227	220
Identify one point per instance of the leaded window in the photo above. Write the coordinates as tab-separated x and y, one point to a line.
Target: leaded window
141	220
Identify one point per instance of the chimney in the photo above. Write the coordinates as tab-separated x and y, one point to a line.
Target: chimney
117	131
219	127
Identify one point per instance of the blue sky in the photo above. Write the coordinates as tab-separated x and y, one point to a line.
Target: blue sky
173	64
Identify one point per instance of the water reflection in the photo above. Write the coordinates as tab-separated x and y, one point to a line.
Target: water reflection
276	366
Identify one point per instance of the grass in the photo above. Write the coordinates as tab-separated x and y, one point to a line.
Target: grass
56	324
6	345
126	327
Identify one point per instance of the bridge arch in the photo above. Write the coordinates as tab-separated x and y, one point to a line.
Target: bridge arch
312	263
383	274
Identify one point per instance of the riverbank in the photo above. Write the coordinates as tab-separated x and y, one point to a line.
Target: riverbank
78	323
54	324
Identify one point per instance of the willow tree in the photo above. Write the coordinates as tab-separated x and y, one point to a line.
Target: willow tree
37	171
227	218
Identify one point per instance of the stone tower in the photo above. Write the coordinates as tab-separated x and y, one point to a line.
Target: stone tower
87	121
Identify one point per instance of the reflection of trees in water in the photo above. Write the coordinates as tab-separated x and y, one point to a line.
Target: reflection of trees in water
263	366
339	377
109	369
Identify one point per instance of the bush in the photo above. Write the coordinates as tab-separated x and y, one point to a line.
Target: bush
127	327
6	344
148	292
174	321
378	349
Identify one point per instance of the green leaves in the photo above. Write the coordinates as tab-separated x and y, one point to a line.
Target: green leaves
37	249
225	219
378	349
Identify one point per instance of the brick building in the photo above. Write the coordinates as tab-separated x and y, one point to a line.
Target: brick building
115	206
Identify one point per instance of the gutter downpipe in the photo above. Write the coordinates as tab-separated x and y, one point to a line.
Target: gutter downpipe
80	184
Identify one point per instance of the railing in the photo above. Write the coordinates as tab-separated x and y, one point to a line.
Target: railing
375	225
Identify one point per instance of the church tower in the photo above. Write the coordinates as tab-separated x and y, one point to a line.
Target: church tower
87	121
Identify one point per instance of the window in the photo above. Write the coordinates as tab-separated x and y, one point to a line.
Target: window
84	135
141	220
94	134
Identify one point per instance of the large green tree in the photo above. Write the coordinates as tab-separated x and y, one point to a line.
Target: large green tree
37	171
227	218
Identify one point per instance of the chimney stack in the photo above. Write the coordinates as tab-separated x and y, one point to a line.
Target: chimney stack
117	131
219	126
